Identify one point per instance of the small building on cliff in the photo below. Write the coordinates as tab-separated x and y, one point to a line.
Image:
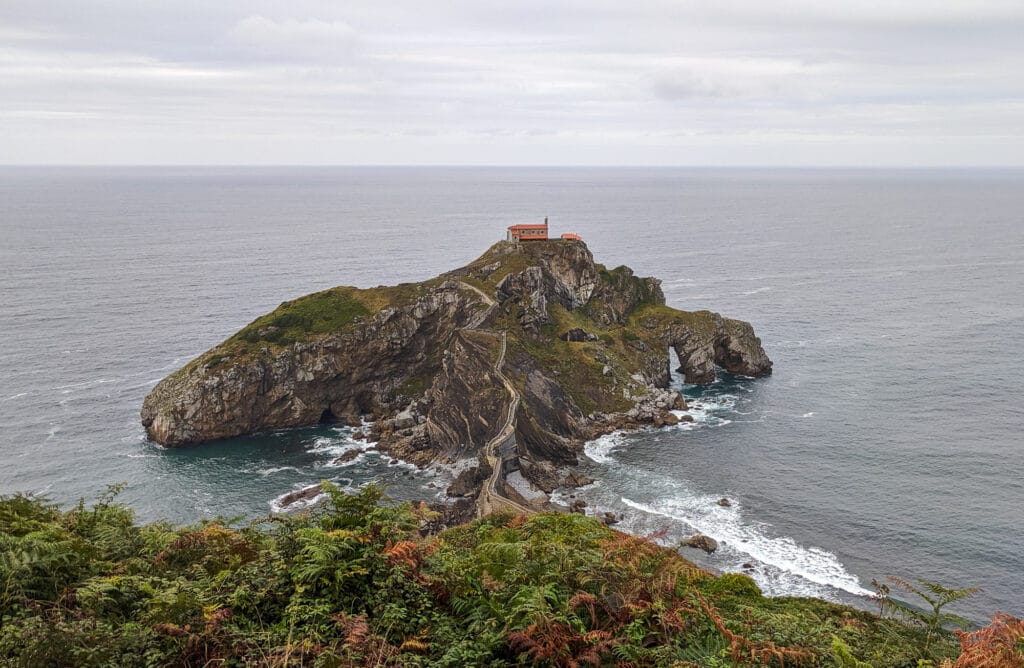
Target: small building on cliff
528	232
535	233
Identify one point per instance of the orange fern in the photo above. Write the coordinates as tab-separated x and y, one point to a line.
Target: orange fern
405	553
998	645
558	644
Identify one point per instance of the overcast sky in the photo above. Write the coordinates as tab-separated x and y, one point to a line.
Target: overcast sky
616	82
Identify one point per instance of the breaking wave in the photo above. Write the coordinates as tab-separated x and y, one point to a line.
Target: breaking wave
787	567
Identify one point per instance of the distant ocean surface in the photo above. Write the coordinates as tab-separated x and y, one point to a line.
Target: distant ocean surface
890	439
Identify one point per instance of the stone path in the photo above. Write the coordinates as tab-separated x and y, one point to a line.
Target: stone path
491	498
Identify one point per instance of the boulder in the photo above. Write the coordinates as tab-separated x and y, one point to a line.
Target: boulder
724	502
574	479
542	474
469	481
578	506
405	419
701	542
575	335
609	518
358	436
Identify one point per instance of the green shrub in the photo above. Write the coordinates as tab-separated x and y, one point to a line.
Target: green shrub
352	582
733	584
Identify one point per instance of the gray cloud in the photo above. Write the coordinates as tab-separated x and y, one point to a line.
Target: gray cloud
533	82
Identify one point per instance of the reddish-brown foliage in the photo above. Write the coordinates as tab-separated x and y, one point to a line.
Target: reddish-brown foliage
559	644
635	558
405	553
372	649
998	645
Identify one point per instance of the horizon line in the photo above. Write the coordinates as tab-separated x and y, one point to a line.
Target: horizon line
495	166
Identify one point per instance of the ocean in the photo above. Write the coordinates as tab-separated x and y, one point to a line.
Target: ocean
888	441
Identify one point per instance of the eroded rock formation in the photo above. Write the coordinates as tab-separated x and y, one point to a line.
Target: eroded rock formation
587	351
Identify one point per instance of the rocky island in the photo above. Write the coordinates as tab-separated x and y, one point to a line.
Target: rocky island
512	362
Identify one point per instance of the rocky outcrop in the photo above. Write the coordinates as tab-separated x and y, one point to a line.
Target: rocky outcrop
586	350
368	367
468	482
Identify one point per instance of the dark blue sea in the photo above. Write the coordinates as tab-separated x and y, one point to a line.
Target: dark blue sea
888	441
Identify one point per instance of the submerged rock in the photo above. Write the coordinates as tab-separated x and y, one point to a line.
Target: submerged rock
348	456
304	494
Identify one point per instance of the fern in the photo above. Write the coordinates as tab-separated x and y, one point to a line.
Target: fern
843	657
998	645
937	597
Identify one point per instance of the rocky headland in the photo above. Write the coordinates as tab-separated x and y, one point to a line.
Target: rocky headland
515	360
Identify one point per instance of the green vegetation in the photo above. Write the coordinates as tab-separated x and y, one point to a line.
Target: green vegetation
575	368
318	313
354	583
325	312
936	596
699	321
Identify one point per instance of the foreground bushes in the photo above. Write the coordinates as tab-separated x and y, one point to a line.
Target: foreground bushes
353	583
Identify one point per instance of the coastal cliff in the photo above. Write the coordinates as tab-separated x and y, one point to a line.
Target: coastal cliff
586	351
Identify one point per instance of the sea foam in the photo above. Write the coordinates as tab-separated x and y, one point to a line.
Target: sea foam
745	542
600	449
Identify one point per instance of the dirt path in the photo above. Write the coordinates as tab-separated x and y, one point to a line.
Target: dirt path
482	316
483	295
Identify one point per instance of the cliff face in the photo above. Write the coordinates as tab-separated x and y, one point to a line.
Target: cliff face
369	364
587	350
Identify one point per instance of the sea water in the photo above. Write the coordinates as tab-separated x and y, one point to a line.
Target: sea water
888	440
